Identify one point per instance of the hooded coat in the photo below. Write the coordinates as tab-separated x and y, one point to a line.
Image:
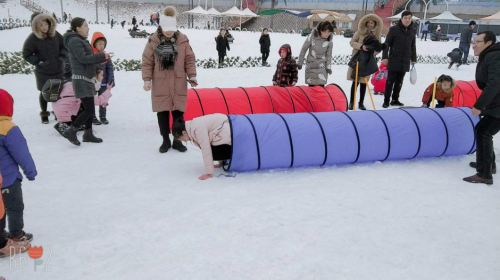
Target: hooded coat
45	51
169	87
441	95
14	152
319	58
83	62
286	71
107	66
360	35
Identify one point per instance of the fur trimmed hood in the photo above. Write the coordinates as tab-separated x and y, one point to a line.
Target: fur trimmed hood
362	29
39	18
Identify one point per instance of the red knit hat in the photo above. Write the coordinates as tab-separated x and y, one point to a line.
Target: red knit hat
6	104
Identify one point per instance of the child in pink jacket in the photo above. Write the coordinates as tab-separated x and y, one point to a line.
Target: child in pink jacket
212	134
67	107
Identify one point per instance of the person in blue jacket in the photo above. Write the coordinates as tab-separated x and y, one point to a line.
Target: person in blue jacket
14	153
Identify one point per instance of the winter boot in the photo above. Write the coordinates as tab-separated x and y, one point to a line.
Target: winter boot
88	136
351	107
102	115
385	105
361	107
177	145
396	103
165	146
14	247
70	134
45	117
95	121
473	164
23	236
60	128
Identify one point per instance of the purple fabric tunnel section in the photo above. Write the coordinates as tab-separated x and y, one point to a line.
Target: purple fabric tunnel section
267	141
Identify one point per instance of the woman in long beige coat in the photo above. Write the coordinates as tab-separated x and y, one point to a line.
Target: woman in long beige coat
212	134
168	64
370	24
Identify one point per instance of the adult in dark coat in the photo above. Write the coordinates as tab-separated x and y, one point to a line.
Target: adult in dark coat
84	64
45	50
466	39
265	45
222	45
400	51
134	20
487	106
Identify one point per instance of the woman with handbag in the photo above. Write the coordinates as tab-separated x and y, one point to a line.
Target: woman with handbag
365	46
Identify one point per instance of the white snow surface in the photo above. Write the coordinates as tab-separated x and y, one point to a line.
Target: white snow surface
121	210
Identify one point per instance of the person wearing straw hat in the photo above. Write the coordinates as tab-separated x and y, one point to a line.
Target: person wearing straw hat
168	65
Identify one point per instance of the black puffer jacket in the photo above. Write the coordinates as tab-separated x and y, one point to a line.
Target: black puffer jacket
488	80
222	44
400	47
265	43
45	52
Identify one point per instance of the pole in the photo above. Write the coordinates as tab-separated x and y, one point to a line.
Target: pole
433	101
107	6
425	15
370	93
96	11
62	9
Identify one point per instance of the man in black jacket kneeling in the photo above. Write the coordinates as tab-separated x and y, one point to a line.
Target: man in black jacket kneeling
487	106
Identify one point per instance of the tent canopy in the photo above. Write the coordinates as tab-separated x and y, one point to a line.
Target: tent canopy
248	13
494	17
445	17
213	12
233	12
198	10
398	16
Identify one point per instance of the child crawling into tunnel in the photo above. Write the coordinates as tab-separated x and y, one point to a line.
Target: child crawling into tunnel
212	134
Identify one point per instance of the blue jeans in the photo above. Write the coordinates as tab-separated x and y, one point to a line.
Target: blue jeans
465	49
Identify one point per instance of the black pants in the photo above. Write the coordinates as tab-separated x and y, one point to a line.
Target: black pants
85	116
221	152
362	92
14	208
485	155
164	121
43	103
221	57
465	47
393	85
265	56
424	35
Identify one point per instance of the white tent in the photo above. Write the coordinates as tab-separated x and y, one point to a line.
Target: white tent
445	17
398	16
248	13
233	12
198	10
213	12
494	17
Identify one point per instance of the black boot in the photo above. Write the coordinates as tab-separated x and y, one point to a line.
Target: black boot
45	117
88	136
177	145
95	121
70	134
165	146
361	107
102	115
473	164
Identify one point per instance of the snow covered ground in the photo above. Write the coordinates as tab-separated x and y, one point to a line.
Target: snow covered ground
121	210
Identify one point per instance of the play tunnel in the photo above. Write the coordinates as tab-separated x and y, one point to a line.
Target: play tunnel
465	94
266	141
260	100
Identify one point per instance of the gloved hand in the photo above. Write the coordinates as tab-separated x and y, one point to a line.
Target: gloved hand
299	67
329	71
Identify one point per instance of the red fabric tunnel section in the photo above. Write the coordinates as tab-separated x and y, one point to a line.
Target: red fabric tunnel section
261	100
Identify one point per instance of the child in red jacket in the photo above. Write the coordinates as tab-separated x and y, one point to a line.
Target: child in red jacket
444	92
379	79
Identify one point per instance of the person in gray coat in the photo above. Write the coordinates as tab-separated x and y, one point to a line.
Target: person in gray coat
319	55
466	39
83	66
